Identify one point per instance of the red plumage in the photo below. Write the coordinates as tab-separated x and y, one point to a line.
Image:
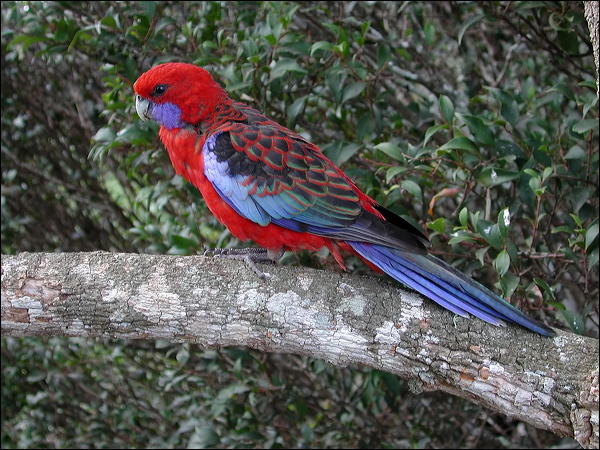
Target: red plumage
205	104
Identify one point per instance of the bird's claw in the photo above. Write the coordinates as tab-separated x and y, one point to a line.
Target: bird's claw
249	255
215	252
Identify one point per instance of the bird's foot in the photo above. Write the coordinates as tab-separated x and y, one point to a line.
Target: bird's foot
250	256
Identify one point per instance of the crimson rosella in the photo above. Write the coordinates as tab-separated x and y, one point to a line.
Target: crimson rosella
268	184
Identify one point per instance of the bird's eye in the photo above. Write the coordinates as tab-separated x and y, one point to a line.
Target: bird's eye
159	90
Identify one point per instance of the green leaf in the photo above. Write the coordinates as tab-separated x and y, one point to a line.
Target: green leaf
480	254
203	437
509	150
589	102
508	284
284	66
62	32
569	253
81	34
184	242
348	151
531	172
360	69
562	229
513	251
438	225
503	222
250	49
577	220
564	90
429	31
549	295
576	152
343	49
364	27
463	217
584	126
321	46
391	150
353	90
36	375
104	134
446	108
491	233
536	186
474	217
502	262
365	125
183	355
558	22
491	176
294	109
239	85
467	24
568	41
590	235
383	55
149	8
480	130
26	41
307	433
335	82
392	385
459	143
547	172
164	22
575	321
461	236
339	152
413	188
593	257
237	369
590	84
431	131
510	111
135	134
393	172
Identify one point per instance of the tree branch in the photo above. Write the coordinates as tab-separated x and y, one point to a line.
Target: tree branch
549	383
592	15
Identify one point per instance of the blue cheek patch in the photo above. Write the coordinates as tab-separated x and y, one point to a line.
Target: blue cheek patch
168	115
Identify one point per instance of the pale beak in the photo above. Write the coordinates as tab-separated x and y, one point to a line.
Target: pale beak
142	106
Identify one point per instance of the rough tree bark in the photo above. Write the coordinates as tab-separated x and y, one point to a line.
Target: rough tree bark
549	383
592	13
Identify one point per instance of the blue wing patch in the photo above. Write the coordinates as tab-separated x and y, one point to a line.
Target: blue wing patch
295	189
264	200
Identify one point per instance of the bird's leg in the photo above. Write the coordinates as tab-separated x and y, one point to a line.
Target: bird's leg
250	256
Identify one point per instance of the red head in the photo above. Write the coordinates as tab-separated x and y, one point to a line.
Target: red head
177	94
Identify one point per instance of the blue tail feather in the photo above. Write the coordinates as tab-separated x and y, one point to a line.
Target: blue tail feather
446	286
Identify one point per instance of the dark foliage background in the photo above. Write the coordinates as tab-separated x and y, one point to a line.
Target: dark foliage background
477	121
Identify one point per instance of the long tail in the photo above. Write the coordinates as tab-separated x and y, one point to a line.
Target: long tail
447	286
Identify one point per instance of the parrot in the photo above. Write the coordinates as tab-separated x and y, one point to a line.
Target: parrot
270	185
